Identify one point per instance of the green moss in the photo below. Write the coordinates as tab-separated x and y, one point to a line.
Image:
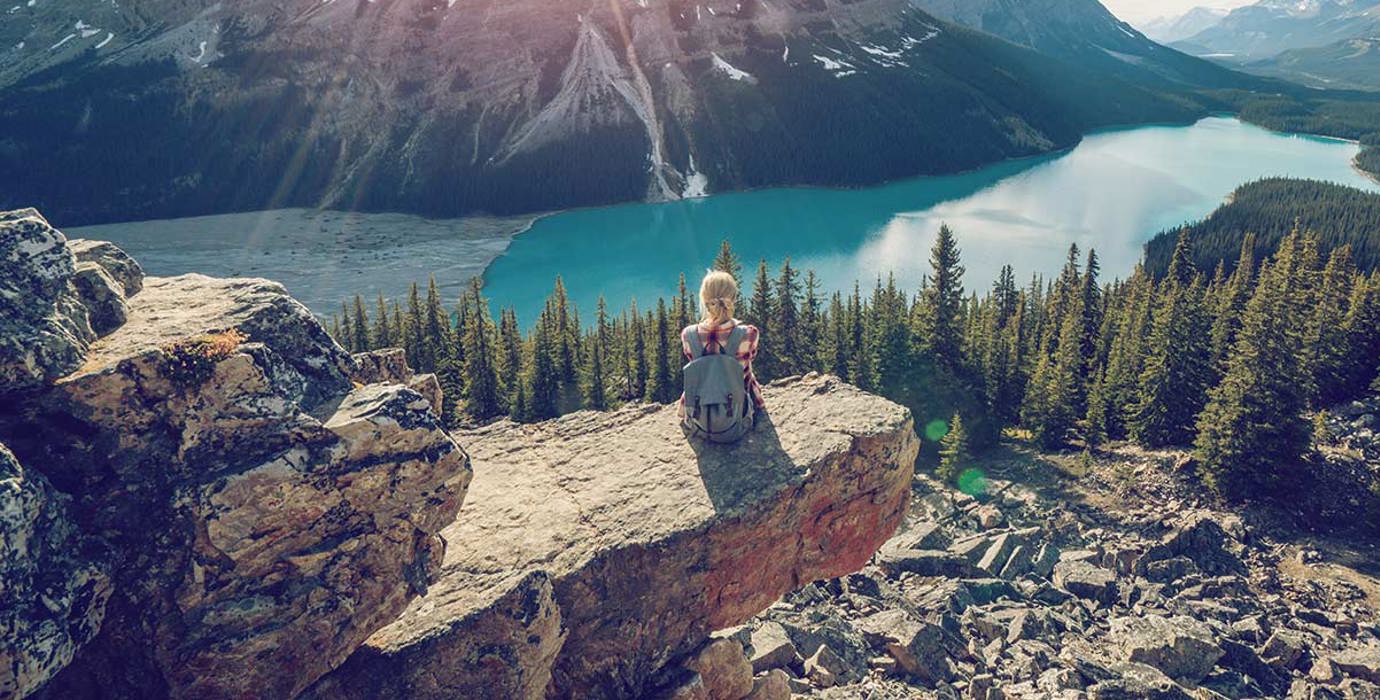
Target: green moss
189	363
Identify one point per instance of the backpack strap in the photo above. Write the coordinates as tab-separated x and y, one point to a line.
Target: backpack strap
735	341
693	340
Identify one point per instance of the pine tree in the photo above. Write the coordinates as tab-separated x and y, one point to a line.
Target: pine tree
1126	359
838	350
760	312
637	388
786	322
435	330
414	341
451	372
1052	399
661	388
954	455
1178	363
382	333
509	362
1252	434
942	301
1363	332
542	387
1090	310
727	261
359	327
890	341
482	397
345	335
1326	347
862	369
596	397
811	339
1231	302
399	325
566	335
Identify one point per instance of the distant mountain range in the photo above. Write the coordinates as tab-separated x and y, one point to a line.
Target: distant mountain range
1271	27
157	108
1167	30
1319	43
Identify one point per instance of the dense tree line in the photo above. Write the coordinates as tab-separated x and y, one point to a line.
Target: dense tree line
1226	363
1271	209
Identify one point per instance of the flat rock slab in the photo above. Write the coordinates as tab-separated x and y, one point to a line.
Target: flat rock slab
650	541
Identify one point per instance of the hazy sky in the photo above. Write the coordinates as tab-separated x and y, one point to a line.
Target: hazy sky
1140	10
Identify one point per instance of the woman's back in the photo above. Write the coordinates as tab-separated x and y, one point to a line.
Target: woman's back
712	339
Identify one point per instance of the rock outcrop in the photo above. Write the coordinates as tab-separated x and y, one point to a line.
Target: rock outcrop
264	513
598	548
44	326
53	581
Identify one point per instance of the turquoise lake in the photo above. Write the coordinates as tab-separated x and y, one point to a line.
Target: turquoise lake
1112	192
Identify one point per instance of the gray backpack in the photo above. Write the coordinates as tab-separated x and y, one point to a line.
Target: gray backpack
717	405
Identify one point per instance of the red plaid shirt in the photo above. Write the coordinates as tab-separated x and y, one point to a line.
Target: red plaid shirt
711	338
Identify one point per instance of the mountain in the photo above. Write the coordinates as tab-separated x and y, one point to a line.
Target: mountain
1175	28
155	108
1270	209
1086	33
1271	27
1351	64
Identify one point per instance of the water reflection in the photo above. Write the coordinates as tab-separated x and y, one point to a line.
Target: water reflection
1111	192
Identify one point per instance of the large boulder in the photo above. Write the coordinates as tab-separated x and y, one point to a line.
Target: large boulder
266	515
651	541
1181	647
53	586
44	326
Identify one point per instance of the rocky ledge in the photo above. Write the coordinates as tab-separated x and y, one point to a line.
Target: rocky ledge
210	505
596	549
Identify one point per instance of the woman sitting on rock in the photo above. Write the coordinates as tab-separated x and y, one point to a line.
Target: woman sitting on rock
721	393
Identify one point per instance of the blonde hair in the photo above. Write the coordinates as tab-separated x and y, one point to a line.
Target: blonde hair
718	297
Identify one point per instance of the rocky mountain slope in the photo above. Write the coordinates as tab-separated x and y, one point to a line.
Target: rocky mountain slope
1352	64
1063	577
447	108
1270	27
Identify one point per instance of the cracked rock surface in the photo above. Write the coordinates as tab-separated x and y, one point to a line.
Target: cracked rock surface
596	548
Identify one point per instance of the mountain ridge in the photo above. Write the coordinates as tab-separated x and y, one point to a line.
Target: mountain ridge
502	108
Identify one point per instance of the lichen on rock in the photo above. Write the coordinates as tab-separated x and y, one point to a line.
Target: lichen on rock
53	581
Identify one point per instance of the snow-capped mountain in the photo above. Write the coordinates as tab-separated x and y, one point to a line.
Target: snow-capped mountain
156	108
1174	28
1270	27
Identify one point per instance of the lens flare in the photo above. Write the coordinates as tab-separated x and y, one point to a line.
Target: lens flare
935	430
972	482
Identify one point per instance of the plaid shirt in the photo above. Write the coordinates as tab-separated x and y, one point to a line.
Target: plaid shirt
712	338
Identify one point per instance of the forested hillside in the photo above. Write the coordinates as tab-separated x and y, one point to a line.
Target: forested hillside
1270	209
1229	364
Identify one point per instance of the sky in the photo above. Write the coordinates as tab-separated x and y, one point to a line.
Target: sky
1140	10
